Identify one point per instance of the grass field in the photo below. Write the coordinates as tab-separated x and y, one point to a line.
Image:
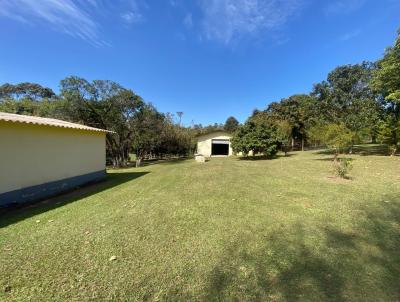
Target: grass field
229	229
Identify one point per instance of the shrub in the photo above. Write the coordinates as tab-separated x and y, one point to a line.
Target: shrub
257	137
342	167
270	151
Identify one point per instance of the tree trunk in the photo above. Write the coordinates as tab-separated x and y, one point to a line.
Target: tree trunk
292	143
394	151
335	158
285	149
115	162
302	143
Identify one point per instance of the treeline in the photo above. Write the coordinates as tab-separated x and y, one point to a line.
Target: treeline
231	125
355	104
138	127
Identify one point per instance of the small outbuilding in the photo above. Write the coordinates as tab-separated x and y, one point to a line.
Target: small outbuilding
42	157
215	144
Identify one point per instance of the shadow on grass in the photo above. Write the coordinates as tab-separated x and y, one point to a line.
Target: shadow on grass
169	161
371	149
13	215
263	157
364	150
289	154
359	264
332	158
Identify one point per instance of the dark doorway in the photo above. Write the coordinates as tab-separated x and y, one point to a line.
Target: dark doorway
220	147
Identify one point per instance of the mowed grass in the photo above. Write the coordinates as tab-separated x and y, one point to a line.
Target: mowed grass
226	230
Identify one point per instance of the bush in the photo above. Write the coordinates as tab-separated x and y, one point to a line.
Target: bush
257	137
342	167
270	151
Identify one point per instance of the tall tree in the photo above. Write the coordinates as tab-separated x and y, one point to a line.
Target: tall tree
346	97
107	105
296	112
27	90
284	134
148	126
386	81
29	99
231	124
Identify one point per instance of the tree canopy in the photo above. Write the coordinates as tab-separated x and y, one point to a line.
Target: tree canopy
295	113
356	103
137	126
27	90
346	97
231	124
256	135
386	81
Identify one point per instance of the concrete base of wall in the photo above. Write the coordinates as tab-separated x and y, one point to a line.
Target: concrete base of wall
43	191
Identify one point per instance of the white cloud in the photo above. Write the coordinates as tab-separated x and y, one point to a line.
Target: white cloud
343	6
74	17
133	14
188	21
226	20
132	17
64	15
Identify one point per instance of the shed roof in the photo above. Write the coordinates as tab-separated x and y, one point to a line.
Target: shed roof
215	133
26	119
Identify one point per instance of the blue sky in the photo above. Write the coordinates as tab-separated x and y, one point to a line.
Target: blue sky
208	58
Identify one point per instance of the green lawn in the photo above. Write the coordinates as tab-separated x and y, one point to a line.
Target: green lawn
229	229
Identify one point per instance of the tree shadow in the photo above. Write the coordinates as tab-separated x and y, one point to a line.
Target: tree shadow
332	158
363	150
358	264
167	161
372	149
384	234
288	155
263	157
258	157
278	269
170	161
13	215
325	152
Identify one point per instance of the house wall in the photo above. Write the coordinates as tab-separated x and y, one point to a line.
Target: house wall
204	143
37	161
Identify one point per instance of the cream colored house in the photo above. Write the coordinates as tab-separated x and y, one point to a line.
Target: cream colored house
42	157
214	144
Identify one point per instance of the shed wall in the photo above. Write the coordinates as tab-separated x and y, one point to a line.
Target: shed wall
204	143
32	155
